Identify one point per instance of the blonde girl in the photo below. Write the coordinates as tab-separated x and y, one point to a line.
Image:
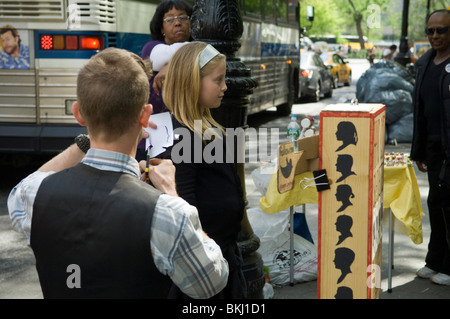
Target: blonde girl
194	84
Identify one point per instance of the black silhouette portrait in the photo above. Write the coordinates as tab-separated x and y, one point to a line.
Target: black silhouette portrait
343	259
344	293
344	166
343	225
343	194
346	132
286	171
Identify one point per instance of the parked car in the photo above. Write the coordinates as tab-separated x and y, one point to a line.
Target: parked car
342	73
315	78
305	43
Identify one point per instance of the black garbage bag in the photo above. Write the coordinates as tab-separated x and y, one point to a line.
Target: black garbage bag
390	84
401	130
399	69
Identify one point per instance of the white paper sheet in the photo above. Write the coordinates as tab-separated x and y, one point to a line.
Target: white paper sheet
162	137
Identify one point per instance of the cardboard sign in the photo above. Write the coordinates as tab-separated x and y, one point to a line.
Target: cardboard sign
292	163
287	163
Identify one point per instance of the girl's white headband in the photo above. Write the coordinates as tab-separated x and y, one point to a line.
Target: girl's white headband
207	54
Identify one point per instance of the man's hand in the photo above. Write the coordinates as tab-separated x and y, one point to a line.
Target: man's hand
162	175
422	166
145	133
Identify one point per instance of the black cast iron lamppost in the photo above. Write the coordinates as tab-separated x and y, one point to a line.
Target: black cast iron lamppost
403	57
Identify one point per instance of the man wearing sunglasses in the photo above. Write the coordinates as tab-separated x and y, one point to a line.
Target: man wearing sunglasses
431	142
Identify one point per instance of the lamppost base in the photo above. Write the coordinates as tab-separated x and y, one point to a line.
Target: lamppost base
403	60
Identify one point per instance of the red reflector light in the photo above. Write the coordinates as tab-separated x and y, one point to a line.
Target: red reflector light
46	42
90	43
59	42
71	42
305	73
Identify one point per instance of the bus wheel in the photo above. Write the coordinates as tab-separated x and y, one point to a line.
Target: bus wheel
284	109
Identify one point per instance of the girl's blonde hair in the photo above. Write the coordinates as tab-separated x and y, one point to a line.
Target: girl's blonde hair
182	87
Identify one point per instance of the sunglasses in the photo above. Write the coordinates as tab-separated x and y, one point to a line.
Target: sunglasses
430	31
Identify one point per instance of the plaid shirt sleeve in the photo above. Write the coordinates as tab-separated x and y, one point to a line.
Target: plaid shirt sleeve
181	250
21	200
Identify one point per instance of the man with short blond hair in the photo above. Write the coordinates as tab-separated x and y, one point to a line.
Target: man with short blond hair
92	214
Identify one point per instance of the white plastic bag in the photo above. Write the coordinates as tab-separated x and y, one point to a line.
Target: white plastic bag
262	175
273	232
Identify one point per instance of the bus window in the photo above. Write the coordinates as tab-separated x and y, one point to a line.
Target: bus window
252	8
292	12
268	12
281	7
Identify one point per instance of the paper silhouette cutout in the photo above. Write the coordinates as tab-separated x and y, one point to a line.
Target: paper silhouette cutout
343	259
344	224
343	194
286	171
344	293
346	132
344	165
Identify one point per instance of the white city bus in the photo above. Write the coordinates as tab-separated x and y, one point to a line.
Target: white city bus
270	46
59	36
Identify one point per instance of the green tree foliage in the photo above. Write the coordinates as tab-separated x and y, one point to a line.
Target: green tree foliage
417	17
369	18
327	17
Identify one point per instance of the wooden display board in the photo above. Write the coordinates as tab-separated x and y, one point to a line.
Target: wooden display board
351	149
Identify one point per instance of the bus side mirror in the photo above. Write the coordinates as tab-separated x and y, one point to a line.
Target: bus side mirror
310	13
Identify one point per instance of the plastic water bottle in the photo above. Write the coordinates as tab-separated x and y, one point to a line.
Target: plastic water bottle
268	288
268	291
293	131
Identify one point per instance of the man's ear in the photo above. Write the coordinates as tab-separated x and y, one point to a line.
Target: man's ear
145	115
76	113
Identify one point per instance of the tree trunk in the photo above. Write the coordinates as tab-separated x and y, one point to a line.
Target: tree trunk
358	20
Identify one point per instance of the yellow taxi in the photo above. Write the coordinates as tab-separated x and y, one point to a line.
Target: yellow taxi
342	73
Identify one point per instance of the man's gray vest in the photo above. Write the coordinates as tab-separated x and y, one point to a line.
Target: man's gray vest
90	235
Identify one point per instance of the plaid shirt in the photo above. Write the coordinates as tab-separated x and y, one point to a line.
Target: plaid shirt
179	249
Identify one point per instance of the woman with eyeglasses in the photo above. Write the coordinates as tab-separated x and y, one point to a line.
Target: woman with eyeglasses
431	142
169	29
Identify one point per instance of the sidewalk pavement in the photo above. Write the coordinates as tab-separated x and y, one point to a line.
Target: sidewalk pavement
18	277
408	257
